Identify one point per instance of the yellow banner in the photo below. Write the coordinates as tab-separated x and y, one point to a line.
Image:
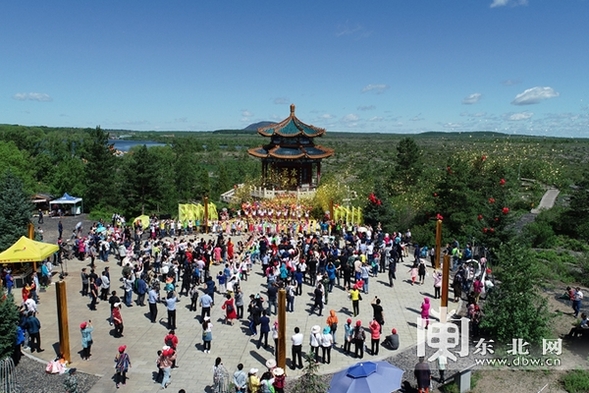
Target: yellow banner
196	212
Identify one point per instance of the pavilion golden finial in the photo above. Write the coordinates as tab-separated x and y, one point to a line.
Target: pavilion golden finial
292	109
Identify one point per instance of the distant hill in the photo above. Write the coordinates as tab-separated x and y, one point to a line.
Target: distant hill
255	126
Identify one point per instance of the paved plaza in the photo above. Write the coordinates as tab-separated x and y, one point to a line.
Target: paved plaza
232	343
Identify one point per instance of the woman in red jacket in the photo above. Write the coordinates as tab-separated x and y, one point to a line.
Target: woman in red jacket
229	307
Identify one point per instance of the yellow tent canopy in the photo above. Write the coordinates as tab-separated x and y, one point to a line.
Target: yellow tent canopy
144	221
27	250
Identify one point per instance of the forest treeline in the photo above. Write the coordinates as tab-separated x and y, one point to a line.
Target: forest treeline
472	180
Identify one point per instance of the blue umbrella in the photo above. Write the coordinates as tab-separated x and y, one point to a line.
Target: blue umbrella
367	377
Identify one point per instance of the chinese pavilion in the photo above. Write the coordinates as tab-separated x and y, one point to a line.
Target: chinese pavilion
291	160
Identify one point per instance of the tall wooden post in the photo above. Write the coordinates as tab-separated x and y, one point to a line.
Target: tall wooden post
445	280
438	243
62	320
206	218
281	350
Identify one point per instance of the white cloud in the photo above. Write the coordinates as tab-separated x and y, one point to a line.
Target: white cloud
417	118
520	116
513	3
452	126
472	99
281	101
356	31
351	118
534	95
511	82
326	116
346	29
42	97
478	114
366	107
376	118
378	89
246	115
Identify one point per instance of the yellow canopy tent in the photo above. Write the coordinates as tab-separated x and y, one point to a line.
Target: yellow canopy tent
27	250
144	221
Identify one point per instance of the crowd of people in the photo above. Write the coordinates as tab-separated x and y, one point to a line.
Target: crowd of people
160	266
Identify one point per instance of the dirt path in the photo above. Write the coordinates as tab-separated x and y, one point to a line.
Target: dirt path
547	201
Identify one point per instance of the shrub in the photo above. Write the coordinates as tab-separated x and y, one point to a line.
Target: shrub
539	234
310	381
576	381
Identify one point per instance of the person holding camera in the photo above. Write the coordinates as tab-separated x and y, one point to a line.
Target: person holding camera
377	312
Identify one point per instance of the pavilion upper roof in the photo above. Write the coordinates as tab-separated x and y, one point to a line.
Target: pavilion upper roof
291	127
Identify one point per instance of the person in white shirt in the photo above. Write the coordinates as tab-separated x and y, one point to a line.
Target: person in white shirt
442	361
104	286
326	344
297	349
30	305
315	341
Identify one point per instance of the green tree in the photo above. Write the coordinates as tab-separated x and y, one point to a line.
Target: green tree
67	176
15	210
515	308
143	174
379	210
576	216
223	182
19	163
408	165
8	324
187	169
100	170
473	197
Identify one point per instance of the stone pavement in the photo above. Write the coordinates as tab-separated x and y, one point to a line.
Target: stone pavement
232	343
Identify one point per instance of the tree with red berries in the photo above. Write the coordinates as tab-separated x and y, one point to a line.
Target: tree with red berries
472	196
379	209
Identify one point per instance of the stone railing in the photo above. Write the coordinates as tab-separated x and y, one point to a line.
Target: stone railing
306	191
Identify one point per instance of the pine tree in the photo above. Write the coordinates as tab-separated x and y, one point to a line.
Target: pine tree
408	166
310	381
15	210
99	170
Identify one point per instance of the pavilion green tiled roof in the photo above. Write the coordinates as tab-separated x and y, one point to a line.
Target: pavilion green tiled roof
291	127
291	139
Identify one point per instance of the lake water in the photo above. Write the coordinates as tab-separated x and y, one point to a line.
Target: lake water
126	145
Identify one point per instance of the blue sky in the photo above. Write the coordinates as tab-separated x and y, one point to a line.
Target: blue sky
399	66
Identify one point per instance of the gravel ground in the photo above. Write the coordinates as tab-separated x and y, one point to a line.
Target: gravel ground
32	378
